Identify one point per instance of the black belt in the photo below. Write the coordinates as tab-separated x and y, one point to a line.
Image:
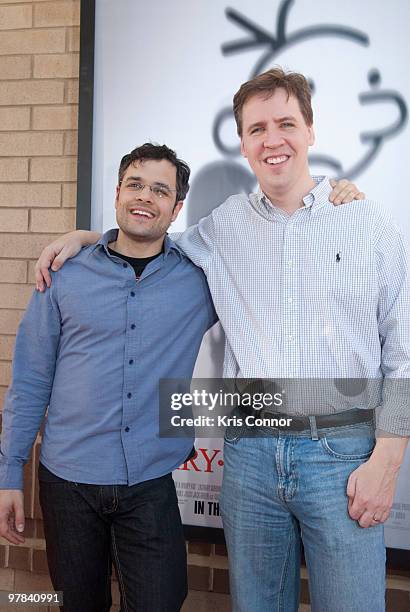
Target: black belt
323	421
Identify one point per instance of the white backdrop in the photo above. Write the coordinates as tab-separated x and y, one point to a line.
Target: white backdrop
167	71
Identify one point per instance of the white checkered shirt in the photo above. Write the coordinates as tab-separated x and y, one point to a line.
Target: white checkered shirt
323	293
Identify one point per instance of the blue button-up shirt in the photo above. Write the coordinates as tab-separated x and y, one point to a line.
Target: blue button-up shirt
93	347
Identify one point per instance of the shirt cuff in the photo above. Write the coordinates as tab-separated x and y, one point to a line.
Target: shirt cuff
11	475
392	422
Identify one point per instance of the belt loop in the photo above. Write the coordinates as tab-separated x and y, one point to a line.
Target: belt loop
313	428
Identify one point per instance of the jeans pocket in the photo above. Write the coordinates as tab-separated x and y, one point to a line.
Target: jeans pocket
349	448
233	434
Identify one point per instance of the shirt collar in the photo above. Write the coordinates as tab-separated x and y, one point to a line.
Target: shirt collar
111	236
316	199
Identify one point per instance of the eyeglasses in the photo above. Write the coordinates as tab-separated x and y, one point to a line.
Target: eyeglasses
162	192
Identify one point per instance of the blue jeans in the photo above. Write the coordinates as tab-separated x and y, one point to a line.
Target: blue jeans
137	528
281	488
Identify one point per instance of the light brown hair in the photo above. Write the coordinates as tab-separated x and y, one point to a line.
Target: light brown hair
265	84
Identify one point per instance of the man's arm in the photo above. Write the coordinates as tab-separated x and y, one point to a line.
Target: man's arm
56	253
25	405
371	487
198	241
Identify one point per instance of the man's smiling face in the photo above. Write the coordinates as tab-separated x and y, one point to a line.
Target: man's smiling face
275	140
144	214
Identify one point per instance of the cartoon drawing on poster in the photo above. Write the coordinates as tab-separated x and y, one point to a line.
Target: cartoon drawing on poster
220	179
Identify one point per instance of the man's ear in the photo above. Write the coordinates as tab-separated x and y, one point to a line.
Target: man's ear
176	210
243	151
117	193
311	136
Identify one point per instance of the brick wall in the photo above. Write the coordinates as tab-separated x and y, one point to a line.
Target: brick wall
39	59
39	64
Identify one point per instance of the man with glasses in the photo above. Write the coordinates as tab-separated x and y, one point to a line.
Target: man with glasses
124	313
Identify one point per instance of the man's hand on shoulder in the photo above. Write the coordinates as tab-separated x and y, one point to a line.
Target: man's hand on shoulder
56	253
344	192
12	515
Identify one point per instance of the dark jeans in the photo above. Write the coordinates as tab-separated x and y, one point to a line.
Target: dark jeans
138	528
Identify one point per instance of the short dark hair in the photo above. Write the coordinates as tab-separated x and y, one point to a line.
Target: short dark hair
150	150
265	84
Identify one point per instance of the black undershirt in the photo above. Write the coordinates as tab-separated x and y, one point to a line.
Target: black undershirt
138	263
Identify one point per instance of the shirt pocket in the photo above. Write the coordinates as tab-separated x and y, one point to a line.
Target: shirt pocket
339	276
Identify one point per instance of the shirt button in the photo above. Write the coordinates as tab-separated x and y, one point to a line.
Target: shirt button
133	326
124	265
132	294
127	429
290	263
131	361
129	395
290	300
291	337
